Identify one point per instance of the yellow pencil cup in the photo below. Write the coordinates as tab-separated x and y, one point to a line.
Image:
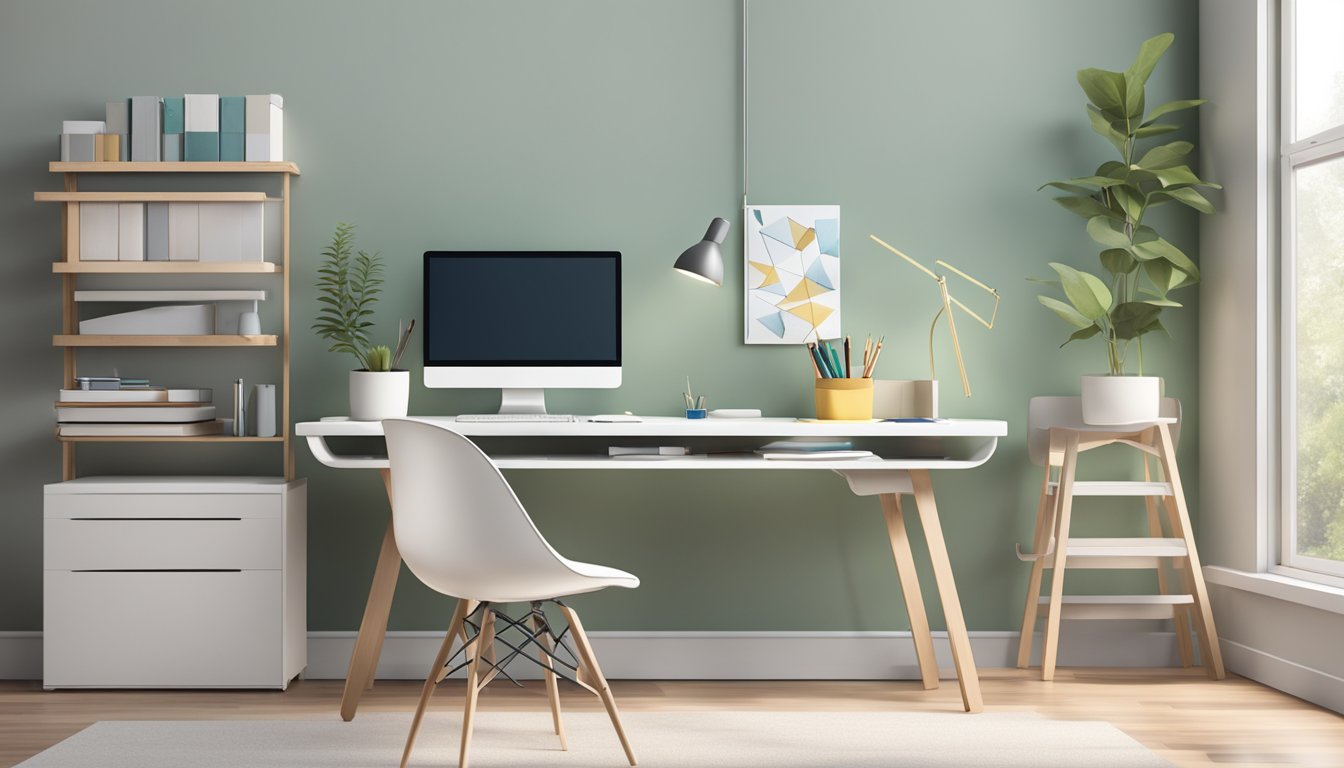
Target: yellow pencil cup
844	399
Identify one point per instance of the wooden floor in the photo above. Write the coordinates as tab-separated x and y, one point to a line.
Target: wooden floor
1179	714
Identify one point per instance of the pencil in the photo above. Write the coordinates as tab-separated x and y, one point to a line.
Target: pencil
847	371
813	359
873	362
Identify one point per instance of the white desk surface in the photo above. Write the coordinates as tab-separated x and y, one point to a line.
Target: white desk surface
672	426
675	427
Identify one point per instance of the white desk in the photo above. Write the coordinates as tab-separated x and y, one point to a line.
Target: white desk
906	451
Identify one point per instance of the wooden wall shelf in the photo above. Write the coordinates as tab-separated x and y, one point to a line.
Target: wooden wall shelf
167	267
219	167
71	341
100	340
150	197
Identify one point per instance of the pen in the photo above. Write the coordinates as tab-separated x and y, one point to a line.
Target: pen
811	356
848	374
835	361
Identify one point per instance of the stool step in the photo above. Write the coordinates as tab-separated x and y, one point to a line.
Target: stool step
1139	552
1119	606
1117	488
1122	553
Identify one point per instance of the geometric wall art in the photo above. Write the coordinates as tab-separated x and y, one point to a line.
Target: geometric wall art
792	273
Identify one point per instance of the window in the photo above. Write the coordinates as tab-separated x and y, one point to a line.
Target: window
1312	105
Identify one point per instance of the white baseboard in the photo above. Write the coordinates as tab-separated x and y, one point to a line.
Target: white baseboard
716	655
766	655
1314	685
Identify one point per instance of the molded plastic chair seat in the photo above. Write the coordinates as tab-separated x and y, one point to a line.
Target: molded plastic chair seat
525	588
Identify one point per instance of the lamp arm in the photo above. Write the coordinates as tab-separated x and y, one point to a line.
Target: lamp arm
956	343
908	260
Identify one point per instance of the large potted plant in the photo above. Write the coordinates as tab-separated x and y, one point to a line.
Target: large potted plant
348	287
1141	267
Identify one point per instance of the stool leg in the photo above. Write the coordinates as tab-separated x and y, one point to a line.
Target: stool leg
1180	619
1064	505
1040	543
1213	654
431	681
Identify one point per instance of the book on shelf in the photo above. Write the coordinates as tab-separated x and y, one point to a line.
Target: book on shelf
174	414
189	429
136	395
815	455
808	444
648	450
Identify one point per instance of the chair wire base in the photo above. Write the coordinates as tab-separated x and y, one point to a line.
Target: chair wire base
523	637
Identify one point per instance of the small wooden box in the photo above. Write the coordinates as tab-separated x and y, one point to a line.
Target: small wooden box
905	398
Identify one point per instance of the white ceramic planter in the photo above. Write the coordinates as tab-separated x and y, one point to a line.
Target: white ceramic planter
1120	399
375	396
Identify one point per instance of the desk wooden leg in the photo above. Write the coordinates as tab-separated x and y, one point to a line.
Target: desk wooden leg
914	601
967	677
372	629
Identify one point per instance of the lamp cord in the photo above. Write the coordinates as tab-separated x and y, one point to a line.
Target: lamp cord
744	105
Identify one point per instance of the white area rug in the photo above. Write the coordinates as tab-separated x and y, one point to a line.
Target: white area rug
684	739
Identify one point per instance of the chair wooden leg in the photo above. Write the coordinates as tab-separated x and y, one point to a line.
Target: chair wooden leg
1213	654
486	639
1064	511
909	578
552	688
962	658
432	679
1040	543
467	607
588	662
1180	619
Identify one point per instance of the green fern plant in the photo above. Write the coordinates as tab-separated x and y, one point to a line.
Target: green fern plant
349	283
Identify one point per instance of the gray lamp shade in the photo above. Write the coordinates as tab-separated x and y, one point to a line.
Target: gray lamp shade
704	260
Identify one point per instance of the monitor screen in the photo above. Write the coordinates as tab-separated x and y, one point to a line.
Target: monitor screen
522	308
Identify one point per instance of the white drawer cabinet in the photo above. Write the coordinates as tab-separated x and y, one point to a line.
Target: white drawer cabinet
174	583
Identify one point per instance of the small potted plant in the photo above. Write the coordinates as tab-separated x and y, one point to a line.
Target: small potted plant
1141	266
348	289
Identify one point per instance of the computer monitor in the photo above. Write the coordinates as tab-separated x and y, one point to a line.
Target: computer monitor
522	321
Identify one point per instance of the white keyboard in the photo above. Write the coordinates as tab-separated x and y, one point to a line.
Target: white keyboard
518	417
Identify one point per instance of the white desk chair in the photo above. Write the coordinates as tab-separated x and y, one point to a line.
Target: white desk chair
1056	435
462	531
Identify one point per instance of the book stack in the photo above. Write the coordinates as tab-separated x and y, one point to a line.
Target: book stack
112	407
197	127
812	449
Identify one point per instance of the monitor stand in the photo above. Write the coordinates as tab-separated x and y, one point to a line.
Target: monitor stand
522	401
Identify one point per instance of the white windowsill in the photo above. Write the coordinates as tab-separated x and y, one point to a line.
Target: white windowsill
1319	596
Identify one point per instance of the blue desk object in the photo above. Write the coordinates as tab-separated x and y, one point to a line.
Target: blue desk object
901	467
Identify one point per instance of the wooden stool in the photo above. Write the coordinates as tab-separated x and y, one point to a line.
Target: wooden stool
1056	435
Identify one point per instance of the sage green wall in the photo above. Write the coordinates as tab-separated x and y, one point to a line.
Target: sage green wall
616	125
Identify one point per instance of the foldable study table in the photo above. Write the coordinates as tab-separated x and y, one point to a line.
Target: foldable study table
906	451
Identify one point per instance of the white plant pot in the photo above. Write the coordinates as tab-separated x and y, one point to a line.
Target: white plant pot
1120	399
378	395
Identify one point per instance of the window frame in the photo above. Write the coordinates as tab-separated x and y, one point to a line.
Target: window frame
1294	154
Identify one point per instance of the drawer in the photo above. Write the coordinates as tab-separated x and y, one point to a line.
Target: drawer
162	630
158	505
74	544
